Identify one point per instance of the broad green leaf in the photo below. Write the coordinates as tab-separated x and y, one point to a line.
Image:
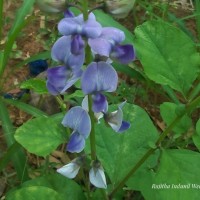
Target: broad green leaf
41	135
168	55
177	177
35	84
120	152
169	111
196	137
68	189
35	193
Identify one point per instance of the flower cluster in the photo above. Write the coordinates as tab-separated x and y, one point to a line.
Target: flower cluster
98	77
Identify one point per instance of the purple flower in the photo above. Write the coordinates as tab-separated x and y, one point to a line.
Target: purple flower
60	78
70	51
79	121
108	44
97	78
115	119
77	26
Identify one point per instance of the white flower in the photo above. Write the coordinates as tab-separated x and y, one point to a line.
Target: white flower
70	170
97	176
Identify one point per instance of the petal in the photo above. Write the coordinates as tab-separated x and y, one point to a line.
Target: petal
100	103
114	119
124	126
78	119
77	45
97	177
123	53
76	61
56	79
71	79
70	170
76	143
99	76
100	46
71	26
114	35
59	79
92	28
84	103
52	90
61	49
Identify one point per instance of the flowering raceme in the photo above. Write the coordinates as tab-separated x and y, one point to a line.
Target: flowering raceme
98	78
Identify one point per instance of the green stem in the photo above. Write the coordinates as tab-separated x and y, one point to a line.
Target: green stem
85	9
61	103
92	134
189	108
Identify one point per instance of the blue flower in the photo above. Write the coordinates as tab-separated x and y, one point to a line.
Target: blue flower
108	45
60	78
72	57
79	121
77	26
115	120
97	78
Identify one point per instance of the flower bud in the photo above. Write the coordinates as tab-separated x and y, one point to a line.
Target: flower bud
52	6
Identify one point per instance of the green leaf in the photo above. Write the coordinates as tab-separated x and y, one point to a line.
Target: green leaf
176	178
77	93
169	111
41	135
120	152
65	187
37	85
196	137
34	193
168	55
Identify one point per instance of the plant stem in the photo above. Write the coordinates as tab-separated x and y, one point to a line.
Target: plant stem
61	103
92	134
189	108
85	9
